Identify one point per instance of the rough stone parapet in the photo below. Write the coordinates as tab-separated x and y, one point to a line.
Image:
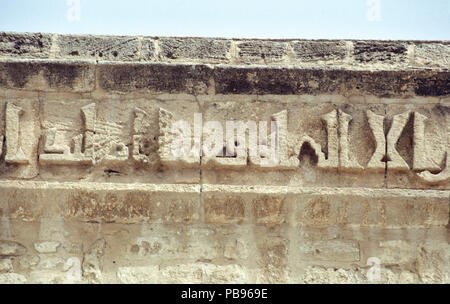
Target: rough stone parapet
369	54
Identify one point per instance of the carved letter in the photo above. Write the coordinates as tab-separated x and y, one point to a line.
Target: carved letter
61	155
285	161
332	160
141	122
236	151
277	155
376	124
213	142
14	153
333	144
395	161
444	175
387	147
345	158
422	158
175	142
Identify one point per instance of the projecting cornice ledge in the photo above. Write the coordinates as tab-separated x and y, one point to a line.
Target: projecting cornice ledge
204	79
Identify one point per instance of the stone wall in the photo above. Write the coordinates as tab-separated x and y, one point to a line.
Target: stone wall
353	187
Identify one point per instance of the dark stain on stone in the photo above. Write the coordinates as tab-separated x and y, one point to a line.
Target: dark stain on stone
61	74
283	81
193	79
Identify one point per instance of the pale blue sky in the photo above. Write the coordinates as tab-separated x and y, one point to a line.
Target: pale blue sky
333	19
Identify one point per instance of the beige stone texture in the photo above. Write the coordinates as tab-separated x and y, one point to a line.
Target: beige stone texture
341	173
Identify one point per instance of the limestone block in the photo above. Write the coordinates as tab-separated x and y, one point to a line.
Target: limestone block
148	52
199	273
11	248
224	210
261	51
433	263
98	47
138	275
322	275
25	45
29	261
163	78
396	252
432	54
203	273
47	247
156	241
49	76
93	262
269	209
330	250
235	249
6	266
208	50
307	51
410	210
272	261
380	52
21	137
47	277
51	263
12	278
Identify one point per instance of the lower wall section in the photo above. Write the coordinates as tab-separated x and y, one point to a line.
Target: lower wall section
145	233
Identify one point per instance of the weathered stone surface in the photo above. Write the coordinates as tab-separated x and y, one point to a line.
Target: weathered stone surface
322	275
138	275
47	277
93	262
23	129
29	261
318	211
47	247
6	265
432	54
269	210
12	278
261	51
286	81
25	45
273	260
183	274
396	252
155	77
224	210
307	51
148	52
208	160
380	52
51	263
309	206
11	248
433	264
331	250
207	50
98	47
47	76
